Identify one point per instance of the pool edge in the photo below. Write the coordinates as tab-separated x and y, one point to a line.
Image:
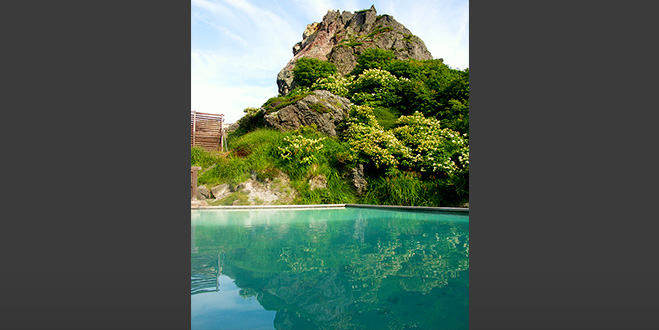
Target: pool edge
265	207
331	206
410	208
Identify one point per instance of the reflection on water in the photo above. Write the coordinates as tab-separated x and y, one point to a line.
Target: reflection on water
329	269
227	309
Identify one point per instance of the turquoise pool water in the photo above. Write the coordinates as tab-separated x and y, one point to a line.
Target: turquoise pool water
351	268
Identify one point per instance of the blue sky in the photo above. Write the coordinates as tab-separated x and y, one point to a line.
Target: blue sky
239	46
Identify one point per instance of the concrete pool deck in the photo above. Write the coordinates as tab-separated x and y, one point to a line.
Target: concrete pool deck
203	205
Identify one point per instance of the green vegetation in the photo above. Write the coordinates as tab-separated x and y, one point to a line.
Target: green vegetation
319	107
379	30
308	70
408	127
372	58
276	103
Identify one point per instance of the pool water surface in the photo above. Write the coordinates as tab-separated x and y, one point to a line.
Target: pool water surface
339	268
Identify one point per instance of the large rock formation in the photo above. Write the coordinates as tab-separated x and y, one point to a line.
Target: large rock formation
341	37
321	108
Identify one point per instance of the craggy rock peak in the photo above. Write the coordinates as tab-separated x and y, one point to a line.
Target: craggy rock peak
322	108
340	37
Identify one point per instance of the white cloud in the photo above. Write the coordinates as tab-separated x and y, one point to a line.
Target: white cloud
219	84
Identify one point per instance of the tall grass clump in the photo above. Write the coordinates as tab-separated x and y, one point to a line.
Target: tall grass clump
201	157
400	189
231	170
411	189
258	149
338	190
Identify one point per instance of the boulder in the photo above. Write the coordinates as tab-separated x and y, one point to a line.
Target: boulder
357	178
221	191
321	108
202	193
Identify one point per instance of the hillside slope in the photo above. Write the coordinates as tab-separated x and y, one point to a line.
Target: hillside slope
383	123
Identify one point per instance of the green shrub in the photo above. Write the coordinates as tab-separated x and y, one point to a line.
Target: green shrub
370	143
386	117
432	148
308	70
372	58
252	120
335	84
299	150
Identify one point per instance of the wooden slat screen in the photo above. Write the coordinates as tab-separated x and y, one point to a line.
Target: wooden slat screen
206	130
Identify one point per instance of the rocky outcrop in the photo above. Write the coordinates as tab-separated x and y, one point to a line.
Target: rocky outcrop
341	37
202	192
358	179
221	191
259	191
321	108
318	182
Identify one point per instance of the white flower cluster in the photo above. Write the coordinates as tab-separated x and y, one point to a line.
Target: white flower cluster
301	149
432	148
251	112
372	85
370	141
418	142
335	84
362	114
376	77
379	146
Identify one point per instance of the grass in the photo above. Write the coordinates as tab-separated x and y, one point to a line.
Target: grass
276	103
229	200
410	189
257	151
320	108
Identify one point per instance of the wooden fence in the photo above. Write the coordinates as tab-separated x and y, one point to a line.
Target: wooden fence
207	131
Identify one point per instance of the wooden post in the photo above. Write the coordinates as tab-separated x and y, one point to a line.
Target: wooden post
226	146
193	182
221	146
194	126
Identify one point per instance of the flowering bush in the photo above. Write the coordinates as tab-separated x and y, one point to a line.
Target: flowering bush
362	114
375	87
433	149
251	112
335	84
300	150
370	142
